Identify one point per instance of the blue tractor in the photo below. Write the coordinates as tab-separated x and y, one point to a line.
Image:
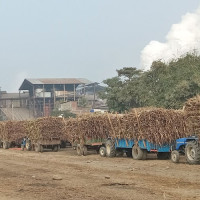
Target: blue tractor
189	147
138	150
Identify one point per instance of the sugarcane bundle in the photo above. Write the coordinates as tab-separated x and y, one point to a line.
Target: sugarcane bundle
192	112
1	130
13	131
71	130
45	128
86	127
156	125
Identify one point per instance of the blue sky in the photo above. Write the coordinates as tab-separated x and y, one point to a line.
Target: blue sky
80	38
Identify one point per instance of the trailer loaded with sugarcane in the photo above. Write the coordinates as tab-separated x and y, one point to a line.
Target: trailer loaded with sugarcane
87	132
44	133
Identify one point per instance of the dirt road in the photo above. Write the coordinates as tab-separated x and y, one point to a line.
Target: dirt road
64	175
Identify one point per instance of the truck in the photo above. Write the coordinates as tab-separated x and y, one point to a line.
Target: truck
39	145
88	144
189	147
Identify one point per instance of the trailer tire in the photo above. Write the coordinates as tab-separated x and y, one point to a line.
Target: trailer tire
38	147
144	157
55	148
79	150
163	155
85	150
110	148
102	151
175	156
138	153
6	145
192	152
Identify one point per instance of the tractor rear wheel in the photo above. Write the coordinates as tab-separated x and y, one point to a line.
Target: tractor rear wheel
175	156
192	152
110	148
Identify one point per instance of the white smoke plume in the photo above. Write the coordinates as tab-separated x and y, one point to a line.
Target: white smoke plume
182	38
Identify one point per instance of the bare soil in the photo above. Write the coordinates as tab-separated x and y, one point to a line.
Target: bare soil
64	175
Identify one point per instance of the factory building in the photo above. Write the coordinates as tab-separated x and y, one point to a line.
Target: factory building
45	93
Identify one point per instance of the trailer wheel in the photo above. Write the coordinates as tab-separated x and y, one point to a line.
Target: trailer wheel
38	147
144	157
85	151
102	151
163	155
192	152
138	153
79	150
55	148
110	148
175	156
6	145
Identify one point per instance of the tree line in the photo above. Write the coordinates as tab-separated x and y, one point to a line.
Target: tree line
166	85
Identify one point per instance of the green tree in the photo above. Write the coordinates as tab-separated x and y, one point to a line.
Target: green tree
164	85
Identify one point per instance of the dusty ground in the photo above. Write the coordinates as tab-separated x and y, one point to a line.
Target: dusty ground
64	175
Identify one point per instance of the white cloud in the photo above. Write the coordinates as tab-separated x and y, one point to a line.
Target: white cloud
182	38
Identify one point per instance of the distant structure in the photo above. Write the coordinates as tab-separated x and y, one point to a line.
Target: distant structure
45	92
39	97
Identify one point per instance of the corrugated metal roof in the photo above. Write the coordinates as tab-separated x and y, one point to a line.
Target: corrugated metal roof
59	81
28	83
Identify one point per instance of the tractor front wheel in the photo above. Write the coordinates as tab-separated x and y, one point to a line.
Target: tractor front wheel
175	156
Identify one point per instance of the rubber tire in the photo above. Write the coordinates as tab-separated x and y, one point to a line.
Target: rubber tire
195	148
102	151
163	155
144	157
6	145
175	156
28	145
22	147
55	148
79	150
138	153
110	148
85	151
38	148
129	154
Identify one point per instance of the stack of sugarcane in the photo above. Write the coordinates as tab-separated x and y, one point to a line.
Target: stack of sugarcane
12	131
1	130
192	112
45	128
86	127
156	125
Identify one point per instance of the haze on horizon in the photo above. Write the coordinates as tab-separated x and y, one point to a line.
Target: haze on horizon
87	39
